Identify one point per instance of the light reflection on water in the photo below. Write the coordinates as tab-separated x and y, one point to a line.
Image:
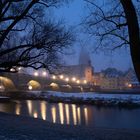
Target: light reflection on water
53	111
57	113
86	115
29	106
17	110
61	113
43	110
79	115
35	115
72	114
67	114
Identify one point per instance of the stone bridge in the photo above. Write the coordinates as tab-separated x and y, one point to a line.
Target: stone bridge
22	81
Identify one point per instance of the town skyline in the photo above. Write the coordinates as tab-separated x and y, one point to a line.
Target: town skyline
73	14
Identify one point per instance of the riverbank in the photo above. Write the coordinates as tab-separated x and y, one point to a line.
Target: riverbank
14	127
94	98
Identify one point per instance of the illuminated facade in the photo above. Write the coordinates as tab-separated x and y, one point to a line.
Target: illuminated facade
83	71
111	78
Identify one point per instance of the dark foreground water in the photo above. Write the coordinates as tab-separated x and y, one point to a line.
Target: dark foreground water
71	114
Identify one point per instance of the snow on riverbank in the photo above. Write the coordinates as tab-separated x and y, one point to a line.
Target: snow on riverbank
96	96
3	97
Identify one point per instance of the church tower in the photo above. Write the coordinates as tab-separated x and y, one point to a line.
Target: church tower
84	58
89	73
85	64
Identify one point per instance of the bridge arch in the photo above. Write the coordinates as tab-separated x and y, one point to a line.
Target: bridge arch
34	85
6	84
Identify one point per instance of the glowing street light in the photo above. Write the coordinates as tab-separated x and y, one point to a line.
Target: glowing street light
2	88
74	79
19	68
35	115
36	73
54	77
12	69
78	81
130	85
67	79
61	76
85	81
44	73
30	87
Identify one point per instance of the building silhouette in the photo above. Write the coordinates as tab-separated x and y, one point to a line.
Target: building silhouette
83	70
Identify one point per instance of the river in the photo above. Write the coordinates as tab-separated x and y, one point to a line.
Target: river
73	114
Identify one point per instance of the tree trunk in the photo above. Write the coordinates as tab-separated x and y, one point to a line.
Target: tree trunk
134	33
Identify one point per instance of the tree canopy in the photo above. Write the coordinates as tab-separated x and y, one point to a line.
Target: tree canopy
115	24
28	36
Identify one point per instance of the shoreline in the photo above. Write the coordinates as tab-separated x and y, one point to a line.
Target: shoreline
90	98
20	127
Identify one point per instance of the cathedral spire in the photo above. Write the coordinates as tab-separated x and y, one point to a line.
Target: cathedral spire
84	58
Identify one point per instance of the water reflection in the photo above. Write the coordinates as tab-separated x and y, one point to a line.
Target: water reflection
29	105
17	110
53	111
57	113
86	115
43	110
79	115
67	114
61	113
72	114
35	114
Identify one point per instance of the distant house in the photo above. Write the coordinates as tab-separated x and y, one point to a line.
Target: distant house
112	78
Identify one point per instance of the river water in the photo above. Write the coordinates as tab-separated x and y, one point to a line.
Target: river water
72	114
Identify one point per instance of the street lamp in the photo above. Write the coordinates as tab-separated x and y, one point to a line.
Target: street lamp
67	79
30	87
19	68
78	81
130	85
85	81
61	76
2	88
74	79
44	73
12	69
36	74
54	77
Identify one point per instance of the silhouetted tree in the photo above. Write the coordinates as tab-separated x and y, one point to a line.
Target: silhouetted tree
115	23
27	36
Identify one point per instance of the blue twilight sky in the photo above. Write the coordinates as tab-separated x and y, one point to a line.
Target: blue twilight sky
72	14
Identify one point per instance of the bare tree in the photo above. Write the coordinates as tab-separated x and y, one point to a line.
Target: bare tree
115	24
26	39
